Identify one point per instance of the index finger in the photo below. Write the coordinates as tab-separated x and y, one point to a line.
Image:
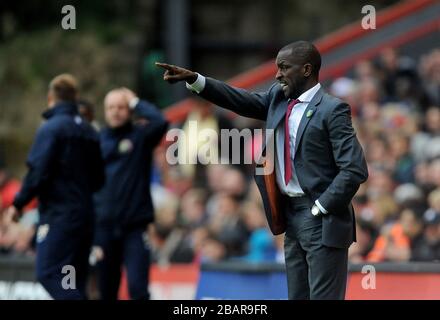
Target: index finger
165	66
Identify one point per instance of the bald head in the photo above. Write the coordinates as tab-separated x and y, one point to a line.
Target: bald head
116	110
298	68
115	96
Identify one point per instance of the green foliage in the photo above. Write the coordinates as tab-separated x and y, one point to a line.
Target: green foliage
30	60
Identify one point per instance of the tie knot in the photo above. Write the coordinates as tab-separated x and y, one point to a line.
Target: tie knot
292	104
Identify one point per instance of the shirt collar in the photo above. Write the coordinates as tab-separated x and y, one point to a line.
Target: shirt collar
62	107
125	128
308	95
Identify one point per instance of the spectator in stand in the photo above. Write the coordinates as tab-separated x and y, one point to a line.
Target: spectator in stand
408	193
430	73
377	153
389	63
8	188
364	70
432	121
19	238
431	250
425	145
202	118
226	225
366	236
213	250
165	233
369	92
214	175
380	183
403	161
261	246
233	183
193	209
434	172
398	241
423	178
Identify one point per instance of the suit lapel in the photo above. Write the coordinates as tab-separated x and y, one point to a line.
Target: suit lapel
310	110
279	113
280	110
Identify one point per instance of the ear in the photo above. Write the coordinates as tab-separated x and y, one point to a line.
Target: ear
50	99
307	70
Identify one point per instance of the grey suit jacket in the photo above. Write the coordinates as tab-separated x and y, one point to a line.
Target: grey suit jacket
329	160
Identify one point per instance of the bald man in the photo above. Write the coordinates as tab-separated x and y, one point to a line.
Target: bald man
124	206
319	165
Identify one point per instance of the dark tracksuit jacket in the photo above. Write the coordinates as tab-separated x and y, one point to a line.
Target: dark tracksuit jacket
65	168
125	200
124	205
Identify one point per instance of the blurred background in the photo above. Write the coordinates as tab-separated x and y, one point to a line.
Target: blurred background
213	214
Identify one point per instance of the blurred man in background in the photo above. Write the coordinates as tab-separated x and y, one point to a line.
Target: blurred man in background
87	111
65	168
124	206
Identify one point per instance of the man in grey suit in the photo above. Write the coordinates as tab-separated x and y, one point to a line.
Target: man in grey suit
319	165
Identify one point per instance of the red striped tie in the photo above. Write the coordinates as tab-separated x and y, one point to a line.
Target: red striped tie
287	160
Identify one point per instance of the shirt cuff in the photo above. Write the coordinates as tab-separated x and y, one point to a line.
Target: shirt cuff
197	85
133	103
321	208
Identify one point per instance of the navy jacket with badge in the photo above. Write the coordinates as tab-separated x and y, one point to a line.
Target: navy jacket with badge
65	168
125	199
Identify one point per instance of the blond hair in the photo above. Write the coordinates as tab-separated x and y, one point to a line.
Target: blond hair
64	87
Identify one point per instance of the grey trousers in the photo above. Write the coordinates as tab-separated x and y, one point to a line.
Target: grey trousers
314	271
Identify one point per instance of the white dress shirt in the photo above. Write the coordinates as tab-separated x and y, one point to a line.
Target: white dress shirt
292	189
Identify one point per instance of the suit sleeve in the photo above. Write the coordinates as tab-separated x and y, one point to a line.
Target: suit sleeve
349	159
157	125
39	163
245	103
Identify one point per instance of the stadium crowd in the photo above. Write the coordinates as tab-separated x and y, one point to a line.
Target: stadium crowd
214	212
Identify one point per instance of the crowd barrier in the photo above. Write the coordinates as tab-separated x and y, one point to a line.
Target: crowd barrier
400	281
239	280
